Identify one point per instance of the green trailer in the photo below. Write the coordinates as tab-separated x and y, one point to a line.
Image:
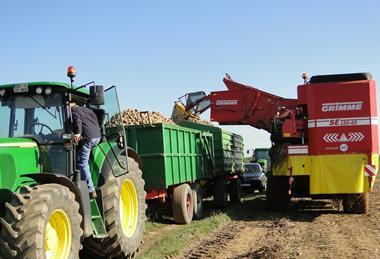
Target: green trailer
229	147
181	165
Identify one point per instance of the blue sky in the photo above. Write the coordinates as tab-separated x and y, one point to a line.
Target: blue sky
156	51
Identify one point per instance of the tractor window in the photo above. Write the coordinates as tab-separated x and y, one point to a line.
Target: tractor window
114	129
5	112
40	116
19	123
51	117
113	119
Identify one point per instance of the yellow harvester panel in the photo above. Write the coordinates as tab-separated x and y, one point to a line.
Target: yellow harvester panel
330	174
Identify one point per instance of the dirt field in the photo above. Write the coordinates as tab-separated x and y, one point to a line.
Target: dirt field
313	229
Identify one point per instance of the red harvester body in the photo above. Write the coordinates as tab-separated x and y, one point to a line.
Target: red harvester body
325	142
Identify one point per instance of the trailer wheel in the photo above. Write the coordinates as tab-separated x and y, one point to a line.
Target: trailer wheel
220	193
41	222
357	203
278	198
124	216
235	190
198	201
182	204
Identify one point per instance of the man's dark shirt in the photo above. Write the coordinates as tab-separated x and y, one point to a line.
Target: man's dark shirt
85	123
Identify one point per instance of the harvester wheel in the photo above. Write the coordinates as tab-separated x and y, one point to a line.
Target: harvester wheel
182	204
235	190
278	198
220	193
357	203
124	212
198	201
41	222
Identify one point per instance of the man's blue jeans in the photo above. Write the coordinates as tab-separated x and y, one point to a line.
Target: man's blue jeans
83	156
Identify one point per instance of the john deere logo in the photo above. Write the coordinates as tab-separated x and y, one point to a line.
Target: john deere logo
343	106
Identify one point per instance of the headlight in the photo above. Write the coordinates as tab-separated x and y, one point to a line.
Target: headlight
2	92
48	91
39	90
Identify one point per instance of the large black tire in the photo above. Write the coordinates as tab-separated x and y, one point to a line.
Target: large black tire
235	190
278	198
25	222
356	203
220	193
198	201
117	244
182	204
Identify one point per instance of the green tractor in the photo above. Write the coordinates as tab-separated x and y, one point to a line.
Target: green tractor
261	156
45	207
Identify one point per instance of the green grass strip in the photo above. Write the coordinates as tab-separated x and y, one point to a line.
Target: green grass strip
173	243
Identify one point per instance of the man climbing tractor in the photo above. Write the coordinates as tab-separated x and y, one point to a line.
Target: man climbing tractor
86	135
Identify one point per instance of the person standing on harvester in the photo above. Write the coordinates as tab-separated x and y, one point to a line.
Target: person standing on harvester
87	134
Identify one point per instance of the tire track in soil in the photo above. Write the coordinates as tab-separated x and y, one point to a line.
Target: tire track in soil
211	246
234	240
312	229
275	248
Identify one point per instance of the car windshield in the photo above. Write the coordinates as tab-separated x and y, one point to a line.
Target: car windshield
37	115
252	168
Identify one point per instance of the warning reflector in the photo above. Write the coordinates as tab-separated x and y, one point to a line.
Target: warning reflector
298	150
370	170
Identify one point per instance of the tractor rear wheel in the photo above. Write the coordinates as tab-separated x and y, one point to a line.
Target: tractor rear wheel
220	193
235	190
356	203
278	198
198	201
182	204
124	212
41	222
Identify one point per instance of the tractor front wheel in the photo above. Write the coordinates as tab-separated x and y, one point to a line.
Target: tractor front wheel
41	222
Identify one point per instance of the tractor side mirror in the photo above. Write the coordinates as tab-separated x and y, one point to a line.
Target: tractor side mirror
96	95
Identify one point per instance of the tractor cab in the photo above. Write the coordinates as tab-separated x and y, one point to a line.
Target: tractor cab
34	111
40	112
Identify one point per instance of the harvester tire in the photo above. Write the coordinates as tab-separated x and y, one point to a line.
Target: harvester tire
278	198
220	193
124	236
182	204
356	203
41	222
198	201
235	190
